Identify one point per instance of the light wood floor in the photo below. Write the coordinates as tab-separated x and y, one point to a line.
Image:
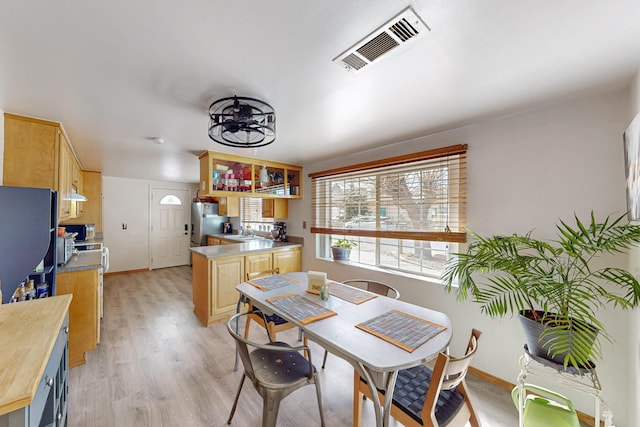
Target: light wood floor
157	365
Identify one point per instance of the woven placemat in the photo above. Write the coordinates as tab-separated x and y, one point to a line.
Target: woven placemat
349	293
300	308
275	281
401	329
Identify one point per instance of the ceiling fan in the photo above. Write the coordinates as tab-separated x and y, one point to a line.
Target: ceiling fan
242	122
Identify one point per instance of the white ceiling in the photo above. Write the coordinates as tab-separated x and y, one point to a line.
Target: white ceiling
119	72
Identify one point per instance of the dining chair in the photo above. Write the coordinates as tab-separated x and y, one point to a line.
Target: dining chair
371	286
429	398
275	369
274	323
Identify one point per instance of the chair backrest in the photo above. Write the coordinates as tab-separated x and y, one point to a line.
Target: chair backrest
245	346
448	373
263	273
375	287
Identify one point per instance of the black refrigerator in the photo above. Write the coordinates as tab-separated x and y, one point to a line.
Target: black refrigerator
28	233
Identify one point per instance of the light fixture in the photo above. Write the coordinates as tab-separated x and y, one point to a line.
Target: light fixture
157	140
242	122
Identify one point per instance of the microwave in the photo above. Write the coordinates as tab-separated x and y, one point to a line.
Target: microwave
64	247
85	231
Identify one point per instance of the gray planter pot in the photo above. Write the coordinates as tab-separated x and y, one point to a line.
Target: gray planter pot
538	347
340	254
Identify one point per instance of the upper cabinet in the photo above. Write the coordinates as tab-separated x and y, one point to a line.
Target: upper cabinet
229	175
38	154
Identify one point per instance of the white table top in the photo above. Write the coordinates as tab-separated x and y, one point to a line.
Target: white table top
339	335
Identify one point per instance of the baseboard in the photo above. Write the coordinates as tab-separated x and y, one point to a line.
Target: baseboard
588	419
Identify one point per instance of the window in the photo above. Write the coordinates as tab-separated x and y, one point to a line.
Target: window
252	214
406	213
170	200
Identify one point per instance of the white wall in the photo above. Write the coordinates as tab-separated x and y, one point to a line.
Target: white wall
126	201
524	173
634	265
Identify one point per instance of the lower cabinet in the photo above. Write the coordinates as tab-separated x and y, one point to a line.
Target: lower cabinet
84	312
214	280
49	404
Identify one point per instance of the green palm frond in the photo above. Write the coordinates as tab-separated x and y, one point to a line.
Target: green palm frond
507	274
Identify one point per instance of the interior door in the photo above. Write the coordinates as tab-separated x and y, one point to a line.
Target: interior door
170	217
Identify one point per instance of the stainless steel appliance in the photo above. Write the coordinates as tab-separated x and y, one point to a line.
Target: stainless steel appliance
85	231
101	271
205	220
64	247
279	232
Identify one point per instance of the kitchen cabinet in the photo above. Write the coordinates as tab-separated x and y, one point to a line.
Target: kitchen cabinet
288	260
84	313
229	206
258	262
275	208
214	280
37	153
34	391
222	174
214	287
91	210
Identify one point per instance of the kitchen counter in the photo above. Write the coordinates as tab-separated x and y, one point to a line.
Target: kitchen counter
83	260
248	247
29	333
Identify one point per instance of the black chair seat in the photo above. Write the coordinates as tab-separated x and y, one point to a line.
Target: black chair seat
410	392
280	367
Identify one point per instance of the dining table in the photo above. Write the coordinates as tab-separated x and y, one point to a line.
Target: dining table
377	335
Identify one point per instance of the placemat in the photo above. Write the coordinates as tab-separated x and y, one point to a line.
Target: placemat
300	308
272	282
349	293
400	329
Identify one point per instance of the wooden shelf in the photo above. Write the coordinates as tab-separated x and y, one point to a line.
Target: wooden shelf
227	175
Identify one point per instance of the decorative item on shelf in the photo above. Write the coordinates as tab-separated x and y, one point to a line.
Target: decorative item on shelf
264	176
341	250
556	285
242	122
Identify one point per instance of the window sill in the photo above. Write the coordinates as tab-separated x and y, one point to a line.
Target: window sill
419	277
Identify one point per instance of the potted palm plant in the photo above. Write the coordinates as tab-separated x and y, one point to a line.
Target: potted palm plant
341	249
553	284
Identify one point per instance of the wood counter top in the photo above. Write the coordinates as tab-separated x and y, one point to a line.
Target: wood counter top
28	334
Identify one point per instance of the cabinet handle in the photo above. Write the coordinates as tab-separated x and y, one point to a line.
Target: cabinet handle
66	330
50	382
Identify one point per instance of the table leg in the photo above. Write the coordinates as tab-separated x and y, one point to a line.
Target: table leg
383	412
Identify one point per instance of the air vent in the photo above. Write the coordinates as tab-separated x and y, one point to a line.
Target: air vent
395	33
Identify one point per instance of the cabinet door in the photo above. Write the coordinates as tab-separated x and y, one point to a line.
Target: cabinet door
227	274
288	260
275	208
258	262
30	152
65	171
211	241
229	206
84	313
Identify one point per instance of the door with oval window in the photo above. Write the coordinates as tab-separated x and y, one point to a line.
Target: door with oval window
170	210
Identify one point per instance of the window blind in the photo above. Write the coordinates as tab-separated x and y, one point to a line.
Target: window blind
421	196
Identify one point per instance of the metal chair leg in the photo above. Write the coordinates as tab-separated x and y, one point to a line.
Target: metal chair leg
319	394
270	408
235	402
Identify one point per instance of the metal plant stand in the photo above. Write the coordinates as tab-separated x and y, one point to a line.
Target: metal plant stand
583	380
